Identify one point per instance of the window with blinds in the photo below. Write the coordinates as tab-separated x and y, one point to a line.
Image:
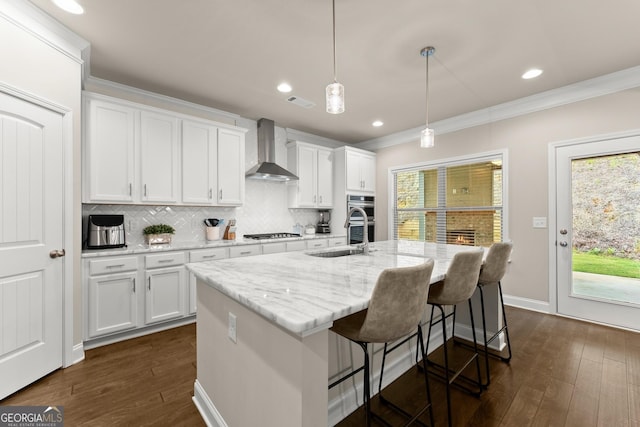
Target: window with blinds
457	202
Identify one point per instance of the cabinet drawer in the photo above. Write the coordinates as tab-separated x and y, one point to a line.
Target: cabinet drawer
274	248
317	244
164	260
112	265
207	254
237	251
298	245
337	241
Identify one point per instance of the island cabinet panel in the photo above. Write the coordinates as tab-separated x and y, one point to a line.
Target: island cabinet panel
281	377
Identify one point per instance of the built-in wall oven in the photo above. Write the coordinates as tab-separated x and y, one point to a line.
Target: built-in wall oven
355	230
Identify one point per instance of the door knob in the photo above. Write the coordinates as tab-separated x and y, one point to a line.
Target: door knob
563	231
563	244
57	253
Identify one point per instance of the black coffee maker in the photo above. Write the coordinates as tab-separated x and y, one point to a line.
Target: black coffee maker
323	226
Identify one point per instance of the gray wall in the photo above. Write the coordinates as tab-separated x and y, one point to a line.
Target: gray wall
527	140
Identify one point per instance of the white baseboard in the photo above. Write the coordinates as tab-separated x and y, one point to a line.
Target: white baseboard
528	304
207	409
77	354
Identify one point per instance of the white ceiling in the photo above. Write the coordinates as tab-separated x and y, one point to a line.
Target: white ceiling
230	55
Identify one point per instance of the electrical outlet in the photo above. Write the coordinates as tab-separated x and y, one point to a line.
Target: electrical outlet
232	327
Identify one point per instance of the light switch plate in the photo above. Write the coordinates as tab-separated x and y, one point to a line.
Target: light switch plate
539	222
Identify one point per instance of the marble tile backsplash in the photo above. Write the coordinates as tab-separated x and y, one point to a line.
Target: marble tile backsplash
264	211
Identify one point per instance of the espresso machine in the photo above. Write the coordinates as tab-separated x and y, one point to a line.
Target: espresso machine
323	226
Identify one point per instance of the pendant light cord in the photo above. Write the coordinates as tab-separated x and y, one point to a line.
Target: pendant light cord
335	66
427	91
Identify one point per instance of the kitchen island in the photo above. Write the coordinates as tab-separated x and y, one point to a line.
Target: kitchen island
262	328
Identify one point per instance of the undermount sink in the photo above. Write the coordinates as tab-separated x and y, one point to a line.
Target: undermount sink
333	253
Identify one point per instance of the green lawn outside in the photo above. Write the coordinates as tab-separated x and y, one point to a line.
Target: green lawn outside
603	264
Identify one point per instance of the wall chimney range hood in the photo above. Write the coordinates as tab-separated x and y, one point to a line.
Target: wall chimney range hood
267	169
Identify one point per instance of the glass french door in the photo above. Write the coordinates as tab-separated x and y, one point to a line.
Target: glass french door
598	230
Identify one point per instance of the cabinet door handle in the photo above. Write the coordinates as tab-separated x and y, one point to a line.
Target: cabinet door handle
115	266
149	282
245	253
130	189
165	260
211	193
221	194
134	284
145	190
208	256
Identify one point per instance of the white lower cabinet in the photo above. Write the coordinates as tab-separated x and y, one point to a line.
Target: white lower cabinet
317	244
112	295
165	292
202	255
337	241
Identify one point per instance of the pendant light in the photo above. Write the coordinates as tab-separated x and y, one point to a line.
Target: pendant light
427	137
335	91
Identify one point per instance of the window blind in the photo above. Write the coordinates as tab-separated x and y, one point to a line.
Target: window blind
459	202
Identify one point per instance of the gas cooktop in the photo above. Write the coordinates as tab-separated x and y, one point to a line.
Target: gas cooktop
270	236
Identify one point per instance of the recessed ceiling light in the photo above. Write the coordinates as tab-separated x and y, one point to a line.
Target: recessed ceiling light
70	6
284	87
532	73
377	123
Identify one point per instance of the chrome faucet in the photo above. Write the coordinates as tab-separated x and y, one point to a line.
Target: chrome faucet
365	231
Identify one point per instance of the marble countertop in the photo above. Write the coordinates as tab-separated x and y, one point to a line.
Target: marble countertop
304	294
187	245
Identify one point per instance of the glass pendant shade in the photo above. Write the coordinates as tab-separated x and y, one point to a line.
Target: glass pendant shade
335	98
427	138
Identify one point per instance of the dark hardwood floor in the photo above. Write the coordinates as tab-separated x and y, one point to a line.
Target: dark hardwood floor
563	373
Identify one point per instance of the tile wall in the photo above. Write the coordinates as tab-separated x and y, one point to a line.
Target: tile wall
265	210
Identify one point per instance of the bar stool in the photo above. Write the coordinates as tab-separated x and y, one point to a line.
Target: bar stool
491	273
457	287
395	310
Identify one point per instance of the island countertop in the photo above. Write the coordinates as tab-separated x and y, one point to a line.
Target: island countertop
304	294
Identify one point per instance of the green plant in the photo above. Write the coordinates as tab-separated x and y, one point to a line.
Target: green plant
158	229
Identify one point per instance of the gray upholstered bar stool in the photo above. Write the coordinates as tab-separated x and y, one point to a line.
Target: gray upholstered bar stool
395	310
491	274
457	287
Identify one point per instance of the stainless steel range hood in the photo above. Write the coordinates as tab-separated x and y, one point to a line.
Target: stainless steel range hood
267	169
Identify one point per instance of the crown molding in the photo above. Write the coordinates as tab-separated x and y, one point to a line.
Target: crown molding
298	135
107	85
36	22
587	89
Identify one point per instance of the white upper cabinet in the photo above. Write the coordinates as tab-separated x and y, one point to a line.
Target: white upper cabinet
314	167
144	155
230	167
358	170
110	136
159	157
199	154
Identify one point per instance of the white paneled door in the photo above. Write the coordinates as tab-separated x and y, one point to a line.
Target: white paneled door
31	238
597	231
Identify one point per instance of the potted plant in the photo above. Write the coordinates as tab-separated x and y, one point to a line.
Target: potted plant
158	234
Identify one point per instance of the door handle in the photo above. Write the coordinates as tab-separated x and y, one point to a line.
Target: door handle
563	231
57	253
563	244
